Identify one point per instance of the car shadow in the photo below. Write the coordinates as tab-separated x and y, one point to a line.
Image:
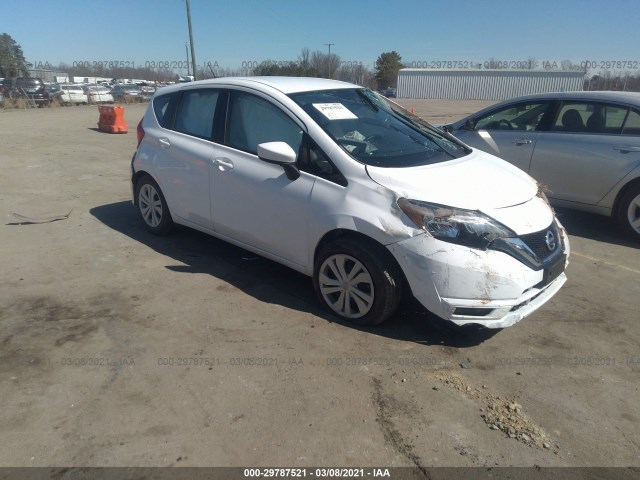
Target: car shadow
270	282
594	227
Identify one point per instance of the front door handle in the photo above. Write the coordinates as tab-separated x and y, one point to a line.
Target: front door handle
626	148
521	141
223	164
164	142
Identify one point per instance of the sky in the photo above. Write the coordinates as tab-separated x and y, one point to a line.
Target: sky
229	34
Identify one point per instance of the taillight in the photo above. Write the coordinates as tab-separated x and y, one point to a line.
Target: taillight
140	132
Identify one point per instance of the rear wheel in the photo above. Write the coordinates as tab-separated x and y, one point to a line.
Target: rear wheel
629	212
152	207
358	281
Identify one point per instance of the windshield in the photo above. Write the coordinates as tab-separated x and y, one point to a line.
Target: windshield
27	82
377	132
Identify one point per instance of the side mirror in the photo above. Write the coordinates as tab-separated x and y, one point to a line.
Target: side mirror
280	153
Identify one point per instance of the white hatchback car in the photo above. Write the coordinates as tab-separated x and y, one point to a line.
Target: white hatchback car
338	183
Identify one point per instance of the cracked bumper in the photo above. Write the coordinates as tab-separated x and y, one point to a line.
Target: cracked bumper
469	286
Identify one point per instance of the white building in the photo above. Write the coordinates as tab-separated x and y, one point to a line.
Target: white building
484	84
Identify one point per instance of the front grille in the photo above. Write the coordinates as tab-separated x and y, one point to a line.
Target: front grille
532	249
537	242
472	312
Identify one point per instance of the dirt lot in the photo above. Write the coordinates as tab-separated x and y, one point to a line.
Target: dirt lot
120	348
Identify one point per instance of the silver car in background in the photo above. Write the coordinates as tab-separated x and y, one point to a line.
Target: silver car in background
583	147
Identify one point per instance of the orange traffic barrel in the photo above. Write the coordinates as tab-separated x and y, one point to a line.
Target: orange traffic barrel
112	119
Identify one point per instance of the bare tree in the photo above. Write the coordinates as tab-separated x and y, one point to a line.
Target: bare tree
304	59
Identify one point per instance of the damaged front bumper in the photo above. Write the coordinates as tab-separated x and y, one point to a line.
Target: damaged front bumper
471	286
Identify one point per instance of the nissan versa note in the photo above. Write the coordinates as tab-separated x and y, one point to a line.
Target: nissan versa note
341	184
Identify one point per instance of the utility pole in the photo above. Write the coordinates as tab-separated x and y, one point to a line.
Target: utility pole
193	50
186	47
329	62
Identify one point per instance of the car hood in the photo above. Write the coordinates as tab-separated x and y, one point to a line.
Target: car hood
478	181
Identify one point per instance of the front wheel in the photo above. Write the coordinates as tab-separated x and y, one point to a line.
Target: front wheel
152	207
629	212
358	281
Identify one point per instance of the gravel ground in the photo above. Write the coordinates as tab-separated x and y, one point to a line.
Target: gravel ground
120	348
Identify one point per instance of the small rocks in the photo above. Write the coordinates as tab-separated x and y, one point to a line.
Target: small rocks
500	412
546	445
462	365
514	407
436	388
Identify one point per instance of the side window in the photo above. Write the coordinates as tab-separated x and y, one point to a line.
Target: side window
196	111
252	120
523	117
584	117
164	107
632	124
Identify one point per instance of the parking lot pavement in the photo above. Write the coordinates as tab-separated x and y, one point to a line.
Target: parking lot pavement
121	348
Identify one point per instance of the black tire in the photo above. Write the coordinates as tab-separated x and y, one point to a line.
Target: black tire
152	207
630	207
359	257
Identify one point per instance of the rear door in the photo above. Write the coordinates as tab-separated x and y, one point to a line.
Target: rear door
509	132
589	148
185	151
253	201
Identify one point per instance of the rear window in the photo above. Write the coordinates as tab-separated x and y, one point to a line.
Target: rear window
196	111
164	107
590	117
28	82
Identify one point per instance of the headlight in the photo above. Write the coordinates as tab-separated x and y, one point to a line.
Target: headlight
463	227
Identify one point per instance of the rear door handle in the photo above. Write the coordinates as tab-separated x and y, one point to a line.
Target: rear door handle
223	163
164	142
626	148
521	141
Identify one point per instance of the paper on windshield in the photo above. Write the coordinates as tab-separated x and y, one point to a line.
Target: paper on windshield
334	111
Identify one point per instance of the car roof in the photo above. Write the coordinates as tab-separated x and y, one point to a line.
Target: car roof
603	95
285	85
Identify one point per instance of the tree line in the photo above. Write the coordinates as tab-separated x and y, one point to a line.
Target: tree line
308	64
